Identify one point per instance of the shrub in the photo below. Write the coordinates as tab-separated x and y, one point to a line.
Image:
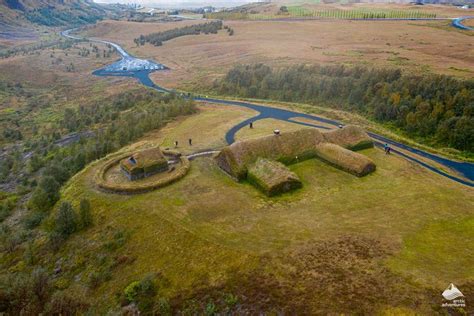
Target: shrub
163	307
142	293
66	220
45	194
65	303
25	294
231	300
6	206
33	219
119	239
96	278
55	240
210	309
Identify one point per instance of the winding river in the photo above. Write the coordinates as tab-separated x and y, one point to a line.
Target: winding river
140	69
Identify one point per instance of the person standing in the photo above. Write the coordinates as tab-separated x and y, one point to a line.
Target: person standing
175	144
190	142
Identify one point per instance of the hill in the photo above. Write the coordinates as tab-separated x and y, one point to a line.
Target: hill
50	12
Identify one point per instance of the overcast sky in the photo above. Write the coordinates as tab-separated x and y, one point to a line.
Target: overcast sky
177	3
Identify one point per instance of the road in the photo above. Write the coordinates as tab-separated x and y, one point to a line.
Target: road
457	22
463	171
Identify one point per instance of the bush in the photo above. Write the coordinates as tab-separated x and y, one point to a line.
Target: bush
55	240
96	278
45	195
66	220
131	291
25	294
210	309
142	293
33	219
163	307
6	207
64	303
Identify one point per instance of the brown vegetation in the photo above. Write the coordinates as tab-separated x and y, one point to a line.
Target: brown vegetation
415	46
341	276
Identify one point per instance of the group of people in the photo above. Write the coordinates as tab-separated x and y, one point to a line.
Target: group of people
190	142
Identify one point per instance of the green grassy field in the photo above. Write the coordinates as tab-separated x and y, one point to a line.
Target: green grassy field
403	225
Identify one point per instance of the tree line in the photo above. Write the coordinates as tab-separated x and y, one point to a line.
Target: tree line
157	39
302	12
112	122
436	109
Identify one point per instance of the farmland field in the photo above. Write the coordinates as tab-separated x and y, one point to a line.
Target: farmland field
416	47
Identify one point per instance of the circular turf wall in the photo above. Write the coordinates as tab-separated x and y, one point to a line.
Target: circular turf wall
133	187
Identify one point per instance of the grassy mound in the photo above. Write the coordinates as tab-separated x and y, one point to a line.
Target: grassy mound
286	148
345	159
351	137
272	177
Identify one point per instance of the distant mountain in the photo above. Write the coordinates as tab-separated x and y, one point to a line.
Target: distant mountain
51	12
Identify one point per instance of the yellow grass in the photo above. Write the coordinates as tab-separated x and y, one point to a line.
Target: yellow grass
204	135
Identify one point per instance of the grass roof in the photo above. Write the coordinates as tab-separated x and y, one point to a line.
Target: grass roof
287	147
272	177
345	159
235	159
351	137
144	160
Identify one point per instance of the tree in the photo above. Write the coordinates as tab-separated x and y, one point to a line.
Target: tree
66	220
45	195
